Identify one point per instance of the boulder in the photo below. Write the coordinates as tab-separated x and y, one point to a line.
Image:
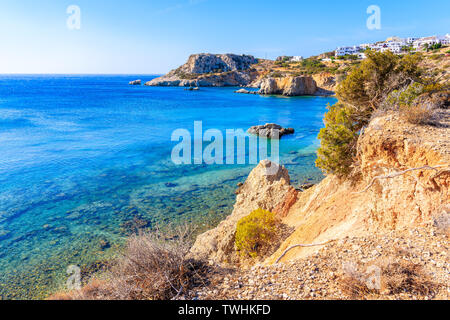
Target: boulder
261	190
135	83
270	130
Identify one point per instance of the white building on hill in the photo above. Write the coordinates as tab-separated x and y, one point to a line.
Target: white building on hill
297	58
343	51
426	41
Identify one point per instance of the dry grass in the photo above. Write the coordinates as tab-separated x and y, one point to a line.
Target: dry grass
153	267
417	114
396	277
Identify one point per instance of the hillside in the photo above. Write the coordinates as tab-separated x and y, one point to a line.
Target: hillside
382	222
376	227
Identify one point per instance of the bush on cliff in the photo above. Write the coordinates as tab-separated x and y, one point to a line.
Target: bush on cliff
360	94
255	233
338	141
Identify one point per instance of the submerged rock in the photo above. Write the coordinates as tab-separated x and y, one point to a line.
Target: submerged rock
171	185
270	130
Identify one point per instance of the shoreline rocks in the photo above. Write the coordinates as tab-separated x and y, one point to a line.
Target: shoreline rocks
245	91
270	130
135	83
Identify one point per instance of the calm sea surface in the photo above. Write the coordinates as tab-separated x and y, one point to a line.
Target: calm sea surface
86	161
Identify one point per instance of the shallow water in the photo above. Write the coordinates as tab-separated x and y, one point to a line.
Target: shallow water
84	161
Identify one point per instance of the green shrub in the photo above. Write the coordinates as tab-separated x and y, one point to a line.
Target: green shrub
405	101
338	139
255	233
405	97
360	94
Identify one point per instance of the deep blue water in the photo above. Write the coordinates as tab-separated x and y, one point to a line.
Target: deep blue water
84	161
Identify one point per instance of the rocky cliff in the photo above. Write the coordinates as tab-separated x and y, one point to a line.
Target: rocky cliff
405	184
261	190
208	70
221	70
289	86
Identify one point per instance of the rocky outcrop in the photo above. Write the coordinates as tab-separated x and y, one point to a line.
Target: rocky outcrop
261	190
387	198
210	70
289	86
206	63
326	83
135	83
270	130
245	91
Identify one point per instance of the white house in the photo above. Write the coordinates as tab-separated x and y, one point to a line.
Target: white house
411	40
396	46
427	40
445	40
297	58
343	51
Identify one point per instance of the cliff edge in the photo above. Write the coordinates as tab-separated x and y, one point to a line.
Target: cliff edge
404	184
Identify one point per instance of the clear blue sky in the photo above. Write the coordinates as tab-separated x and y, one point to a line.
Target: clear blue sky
152	36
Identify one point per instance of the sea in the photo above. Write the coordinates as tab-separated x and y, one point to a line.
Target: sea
86	161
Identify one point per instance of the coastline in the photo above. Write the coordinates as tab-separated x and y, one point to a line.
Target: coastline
85	216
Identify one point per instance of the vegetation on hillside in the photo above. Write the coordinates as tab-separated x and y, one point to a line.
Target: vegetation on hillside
154	266
382	81
255	232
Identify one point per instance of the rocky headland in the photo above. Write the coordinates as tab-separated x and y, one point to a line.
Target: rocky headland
210	70
221	70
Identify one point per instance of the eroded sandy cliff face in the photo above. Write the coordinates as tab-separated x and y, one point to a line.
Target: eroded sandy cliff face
289	86
388	197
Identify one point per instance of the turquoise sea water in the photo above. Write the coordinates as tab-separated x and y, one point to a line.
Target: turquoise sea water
85	161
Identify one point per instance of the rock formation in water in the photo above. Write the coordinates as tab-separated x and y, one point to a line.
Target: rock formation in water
270	130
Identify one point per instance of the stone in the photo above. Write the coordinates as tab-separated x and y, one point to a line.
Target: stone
261	190
270	130
171	185
135	83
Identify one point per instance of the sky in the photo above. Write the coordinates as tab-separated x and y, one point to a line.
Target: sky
153	36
